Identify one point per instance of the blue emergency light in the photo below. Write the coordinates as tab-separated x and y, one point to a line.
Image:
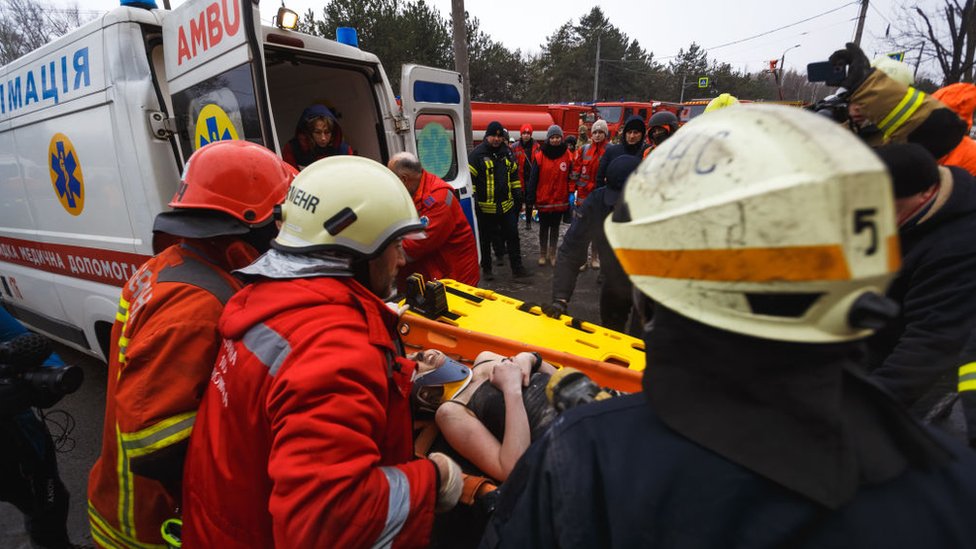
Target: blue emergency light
144	4
347	36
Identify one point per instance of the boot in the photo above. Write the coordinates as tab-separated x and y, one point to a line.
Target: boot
552	258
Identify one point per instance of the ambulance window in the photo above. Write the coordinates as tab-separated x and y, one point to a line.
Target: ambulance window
643	113
218	109
436	145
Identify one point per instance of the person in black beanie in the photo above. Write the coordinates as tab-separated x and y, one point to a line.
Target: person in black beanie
615	289
916	356
633	144
498	197
756	426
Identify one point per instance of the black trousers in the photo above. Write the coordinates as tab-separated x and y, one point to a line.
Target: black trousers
549	231
504	227
29	478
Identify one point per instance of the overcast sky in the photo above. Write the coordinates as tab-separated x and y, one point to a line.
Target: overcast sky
665	27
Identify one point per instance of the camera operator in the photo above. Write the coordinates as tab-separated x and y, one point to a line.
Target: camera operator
28	468
883	109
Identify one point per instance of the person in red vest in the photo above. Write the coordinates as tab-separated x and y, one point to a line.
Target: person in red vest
450	250
524	151
549	190
584	173
165	339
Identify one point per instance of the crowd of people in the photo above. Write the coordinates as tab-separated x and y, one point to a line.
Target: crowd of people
801	286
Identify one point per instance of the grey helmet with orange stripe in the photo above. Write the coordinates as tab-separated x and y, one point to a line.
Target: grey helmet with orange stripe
768	221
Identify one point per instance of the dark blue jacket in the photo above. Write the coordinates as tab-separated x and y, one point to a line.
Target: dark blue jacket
936	290
612	474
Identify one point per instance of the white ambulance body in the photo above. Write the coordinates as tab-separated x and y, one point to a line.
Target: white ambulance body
96	126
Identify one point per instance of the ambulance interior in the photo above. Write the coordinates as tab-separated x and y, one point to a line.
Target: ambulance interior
298	79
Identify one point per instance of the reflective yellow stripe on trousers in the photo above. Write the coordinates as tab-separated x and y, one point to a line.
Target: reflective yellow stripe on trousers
967	377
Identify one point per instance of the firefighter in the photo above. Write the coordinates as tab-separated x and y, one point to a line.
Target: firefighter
661	126
498	196
450	250
756	423
524	151
722	101
165	340
304	437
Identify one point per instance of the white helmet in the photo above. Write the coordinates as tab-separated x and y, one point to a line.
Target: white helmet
768	221
896	70
346	203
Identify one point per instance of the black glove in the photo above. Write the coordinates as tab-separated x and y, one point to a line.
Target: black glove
858	65
555	309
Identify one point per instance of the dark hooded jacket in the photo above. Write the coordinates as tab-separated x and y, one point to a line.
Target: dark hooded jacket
936	291
302	150
744	443
587	226
613	151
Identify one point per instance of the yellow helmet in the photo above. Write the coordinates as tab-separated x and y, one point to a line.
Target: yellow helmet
768	221
345	203
720	102
896	70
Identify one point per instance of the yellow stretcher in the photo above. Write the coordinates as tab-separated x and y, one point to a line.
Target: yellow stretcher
476	320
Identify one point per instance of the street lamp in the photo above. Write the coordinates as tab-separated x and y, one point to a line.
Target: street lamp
782	61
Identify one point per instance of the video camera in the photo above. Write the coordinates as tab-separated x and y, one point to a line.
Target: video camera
832	106
21	362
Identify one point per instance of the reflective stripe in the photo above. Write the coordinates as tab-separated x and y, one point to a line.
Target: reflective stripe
196	273
269	347
967	377
902	112
110	537
472	170
786	264
160	435
449	199
122	314
399	506
490	180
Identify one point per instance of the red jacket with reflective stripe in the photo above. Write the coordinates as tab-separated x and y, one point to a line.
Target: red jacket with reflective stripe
450	250
553	186
164	342
524	158
304	435
585	166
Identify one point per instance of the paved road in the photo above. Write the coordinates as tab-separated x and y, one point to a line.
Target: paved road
86	407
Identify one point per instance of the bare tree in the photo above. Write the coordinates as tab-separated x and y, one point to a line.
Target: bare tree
26	25
946	35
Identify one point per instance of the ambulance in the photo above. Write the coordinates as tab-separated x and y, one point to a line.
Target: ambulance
95	128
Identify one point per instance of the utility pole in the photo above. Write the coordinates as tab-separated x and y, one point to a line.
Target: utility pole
596	72
860	22
921	51
682	100
461	63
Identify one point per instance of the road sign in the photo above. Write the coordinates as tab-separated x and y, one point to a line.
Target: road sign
897	56
702	81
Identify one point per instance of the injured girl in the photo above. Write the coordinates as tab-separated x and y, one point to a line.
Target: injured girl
489	413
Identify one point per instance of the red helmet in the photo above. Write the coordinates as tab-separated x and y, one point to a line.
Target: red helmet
238	178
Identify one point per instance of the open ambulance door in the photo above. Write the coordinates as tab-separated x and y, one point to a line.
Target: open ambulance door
431	101
215	72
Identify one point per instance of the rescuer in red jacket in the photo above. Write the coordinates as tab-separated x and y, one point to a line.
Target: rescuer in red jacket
549	190
165	340
450	250
524	151
304	437
584	174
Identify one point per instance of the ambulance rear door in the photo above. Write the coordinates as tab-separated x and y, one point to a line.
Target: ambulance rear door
431	102
215	73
